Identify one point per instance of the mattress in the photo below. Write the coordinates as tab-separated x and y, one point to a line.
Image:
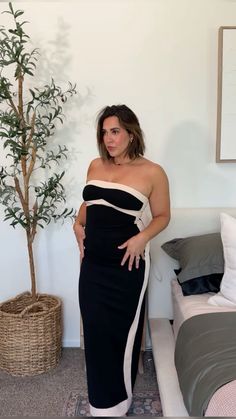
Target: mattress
223	402
191	305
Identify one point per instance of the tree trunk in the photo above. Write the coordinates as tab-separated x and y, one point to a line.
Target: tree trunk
31	264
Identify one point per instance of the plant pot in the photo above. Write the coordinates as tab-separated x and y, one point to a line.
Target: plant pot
30	334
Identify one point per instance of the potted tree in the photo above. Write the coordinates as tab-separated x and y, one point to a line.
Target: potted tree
30	323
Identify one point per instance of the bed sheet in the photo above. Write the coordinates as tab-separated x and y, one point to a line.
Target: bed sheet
223	402
191	305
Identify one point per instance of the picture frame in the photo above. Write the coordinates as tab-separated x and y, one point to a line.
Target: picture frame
226	96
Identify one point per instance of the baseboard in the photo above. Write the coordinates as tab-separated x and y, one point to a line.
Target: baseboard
71	343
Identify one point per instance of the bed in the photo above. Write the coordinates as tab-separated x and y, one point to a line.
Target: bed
173	316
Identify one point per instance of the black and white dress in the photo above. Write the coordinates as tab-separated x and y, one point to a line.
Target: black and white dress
112	297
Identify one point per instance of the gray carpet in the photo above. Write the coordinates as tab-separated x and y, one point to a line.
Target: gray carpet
47	394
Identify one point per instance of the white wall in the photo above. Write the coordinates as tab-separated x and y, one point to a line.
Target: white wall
160	58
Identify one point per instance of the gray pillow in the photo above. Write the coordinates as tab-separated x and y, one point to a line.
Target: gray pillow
197	255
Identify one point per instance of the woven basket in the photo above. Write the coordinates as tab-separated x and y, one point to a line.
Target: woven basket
30	334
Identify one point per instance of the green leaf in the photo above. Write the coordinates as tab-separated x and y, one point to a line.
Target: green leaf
19	13
27	71
11	8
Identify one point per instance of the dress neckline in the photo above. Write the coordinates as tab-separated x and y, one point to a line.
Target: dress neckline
122	186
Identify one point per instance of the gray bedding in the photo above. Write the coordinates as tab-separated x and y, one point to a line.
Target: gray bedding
205	357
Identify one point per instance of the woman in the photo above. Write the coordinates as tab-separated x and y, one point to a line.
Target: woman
126	204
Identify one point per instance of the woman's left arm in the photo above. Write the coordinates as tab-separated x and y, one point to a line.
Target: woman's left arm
159	201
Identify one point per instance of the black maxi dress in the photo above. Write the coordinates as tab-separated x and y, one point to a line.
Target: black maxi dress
112	297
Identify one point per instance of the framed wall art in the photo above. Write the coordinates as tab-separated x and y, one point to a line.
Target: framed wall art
226	95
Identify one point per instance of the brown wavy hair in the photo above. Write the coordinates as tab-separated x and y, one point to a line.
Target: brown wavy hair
129	121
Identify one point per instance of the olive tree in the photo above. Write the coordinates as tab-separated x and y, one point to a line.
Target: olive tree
29	118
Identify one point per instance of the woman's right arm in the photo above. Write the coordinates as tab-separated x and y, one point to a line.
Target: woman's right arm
78	228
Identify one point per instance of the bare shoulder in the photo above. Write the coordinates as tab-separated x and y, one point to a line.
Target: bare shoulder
154	170
95	164
97	169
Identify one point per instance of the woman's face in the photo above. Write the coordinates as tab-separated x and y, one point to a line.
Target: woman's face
115	137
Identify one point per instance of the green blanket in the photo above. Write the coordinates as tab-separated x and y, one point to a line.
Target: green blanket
205	357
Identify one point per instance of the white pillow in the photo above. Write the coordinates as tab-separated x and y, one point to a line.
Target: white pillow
227	294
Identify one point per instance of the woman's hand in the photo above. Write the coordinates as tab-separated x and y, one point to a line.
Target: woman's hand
135	247
80	236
